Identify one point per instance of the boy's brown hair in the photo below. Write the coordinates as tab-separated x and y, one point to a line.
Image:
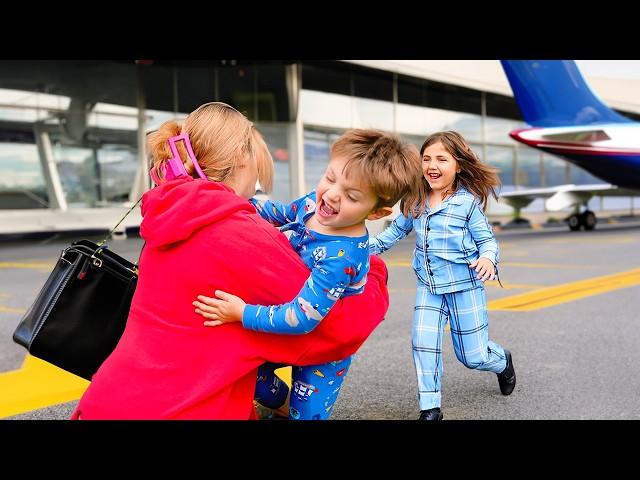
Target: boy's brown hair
391	168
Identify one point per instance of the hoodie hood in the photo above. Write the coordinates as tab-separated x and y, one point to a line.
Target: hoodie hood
173	211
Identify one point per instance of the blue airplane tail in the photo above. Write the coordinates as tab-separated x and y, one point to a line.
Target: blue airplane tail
553	93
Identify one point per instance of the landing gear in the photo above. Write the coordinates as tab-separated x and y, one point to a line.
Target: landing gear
589	220
586	219
574	222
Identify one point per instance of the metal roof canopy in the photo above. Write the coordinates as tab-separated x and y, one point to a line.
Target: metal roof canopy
488	76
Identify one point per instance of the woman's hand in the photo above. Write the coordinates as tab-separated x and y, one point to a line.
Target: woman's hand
224	309
484	267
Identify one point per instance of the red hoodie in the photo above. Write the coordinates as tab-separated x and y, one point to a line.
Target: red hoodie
200	236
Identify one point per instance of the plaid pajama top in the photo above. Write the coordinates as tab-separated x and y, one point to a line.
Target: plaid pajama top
448	238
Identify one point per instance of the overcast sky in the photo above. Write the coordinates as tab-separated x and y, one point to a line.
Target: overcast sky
610	68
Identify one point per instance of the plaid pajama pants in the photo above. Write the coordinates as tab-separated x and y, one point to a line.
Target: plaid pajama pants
466	313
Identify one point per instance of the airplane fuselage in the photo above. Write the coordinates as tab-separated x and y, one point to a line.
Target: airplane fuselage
608	151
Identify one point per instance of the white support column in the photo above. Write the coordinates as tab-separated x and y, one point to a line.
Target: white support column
295	139
142	182
57	201
395	102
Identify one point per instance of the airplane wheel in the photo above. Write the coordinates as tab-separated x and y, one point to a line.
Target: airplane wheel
589	220
574	222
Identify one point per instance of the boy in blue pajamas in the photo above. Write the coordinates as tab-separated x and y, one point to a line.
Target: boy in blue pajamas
455	253
369	171
339	266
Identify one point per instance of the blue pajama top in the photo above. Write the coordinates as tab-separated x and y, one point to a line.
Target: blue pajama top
449	237
338	264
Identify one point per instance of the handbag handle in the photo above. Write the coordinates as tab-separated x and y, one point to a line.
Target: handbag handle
121	220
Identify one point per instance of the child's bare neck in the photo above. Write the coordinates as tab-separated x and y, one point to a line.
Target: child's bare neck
356	230
436	197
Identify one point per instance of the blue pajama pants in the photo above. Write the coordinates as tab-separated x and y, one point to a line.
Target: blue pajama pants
315	388
466	313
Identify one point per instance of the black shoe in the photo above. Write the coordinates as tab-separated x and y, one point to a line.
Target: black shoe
507	378
432	415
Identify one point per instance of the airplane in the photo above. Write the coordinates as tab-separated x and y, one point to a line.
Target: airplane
568	120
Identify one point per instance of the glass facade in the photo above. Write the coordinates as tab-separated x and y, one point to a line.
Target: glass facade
555	171
70	124
76	124
22	183
528	168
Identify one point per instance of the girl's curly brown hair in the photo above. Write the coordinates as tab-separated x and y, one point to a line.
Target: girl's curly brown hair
477	177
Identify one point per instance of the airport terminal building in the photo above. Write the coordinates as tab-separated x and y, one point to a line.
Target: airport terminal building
72	132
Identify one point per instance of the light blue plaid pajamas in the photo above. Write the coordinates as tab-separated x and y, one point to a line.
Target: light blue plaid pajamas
466	313
449	238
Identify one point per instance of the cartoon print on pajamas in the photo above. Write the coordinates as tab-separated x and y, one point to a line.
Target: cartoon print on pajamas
309	310
339	267
320	253
309	205
304	390
336	292
290	318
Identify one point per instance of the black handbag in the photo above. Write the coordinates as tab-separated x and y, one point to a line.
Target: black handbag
79	315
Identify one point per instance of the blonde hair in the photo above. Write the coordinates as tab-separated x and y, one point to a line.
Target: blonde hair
392	169
476	176
223	141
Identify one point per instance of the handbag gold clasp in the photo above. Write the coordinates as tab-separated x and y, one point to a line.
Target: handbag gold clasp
96	261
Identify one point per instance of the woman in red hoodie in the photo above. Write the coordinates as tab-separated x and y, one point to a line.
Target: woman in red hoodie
201	235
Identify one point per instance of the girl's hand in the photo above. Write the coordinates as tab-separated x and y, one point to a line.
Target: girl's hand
484	267
224	309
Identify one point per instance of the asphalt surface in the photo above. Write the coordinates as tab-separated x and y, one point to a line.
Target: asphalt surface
574	360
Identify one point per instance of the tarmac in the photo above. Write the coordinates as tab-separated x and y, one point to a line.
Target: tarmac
567	310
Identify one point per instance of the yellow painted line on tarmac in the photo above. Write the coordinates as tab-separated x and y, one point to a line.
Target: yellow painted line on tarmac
37	384
36	265
285	374
11	309
567	292
398	264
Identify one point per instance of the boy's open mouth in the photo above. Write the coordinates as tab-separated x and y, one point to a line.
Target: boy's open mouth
326	210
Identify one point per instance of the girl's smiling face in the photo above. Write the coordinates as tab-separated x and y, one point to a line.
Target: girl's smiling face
439	167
